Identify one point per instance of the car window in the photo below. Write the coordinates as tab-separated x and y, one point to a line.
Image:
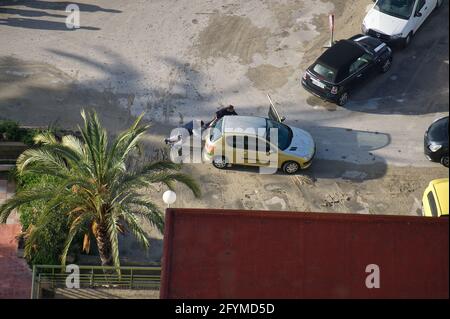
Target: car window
398	8
240	142
284	134
324	71
420	5
360	63
243	142
432	203
216	131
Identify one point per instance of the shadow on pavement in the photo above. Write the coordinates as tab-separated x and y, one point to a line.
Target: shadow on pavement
56	5
41	25
22	9
341	153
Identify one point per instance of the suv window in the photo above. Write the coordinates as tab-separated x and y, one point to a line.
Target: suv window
432	203
360	63
420	5
398	8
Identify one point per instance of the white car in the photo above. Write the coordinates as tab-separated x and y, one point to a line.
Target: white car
396	21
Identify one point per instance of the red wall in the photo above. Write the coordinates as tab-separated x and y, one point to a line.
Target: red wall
248	254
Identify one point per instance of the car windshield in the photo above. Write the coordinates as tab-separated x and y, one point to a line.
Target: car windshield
216	131
398	8
284	134
324	71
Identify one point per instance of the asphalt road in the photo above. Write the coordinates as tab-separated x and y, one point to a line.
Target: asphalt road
179	60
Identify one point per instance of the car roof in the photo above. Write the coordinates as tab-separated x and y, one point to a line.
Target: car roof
441	188
341	54
234	123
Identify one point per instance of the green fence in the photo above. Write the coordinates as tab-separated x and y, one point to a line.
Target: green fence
52	277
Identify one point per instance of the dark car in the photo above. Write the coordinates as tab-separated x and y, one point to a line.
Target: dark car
436	141
345	64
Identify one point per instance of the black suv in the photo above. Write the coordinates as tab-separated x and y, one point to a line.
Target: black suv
345	64
436	141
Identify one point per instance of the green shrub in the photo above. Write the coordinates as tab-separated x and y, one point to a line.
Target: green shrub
10	130
27	136
50	241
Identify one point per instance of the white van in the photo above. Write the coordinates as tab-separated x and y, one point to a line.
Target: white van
396	21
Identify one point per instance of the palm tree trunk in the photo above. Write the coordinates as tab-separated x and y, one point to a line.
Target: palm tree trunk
104	245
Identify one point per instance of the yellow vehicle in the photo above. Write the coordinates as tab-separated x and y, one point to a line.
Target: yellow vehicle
249	140
435	198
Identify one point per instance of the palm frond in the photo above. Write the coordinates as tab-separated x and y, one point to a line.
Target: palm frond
146	209
41	158
45	138
113	234
22	198
74	144
134	226
75	227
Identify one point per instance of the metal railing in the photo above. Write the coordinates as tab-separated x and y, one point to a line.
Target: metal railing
52	277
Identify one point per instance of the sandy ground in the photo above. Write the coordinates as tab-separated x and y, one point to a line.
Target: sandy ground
178	60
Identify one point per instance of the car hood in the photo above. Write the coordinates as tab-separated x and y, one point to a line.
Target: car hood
384	23
302	144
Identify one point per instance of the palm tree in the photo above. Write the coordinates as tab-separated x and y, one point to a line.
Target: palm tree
97	188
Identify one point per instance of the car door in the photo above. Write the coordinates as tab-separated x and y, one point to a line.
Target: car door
421	12
245	149
273	112
360	70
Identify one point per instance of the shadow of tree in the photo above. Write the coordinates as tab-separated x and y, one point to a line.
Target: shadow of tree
56	5
18	8
40	24
29	13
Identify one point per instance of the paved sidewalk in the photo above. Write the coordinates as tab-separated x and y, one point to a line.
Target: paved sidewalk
6	191
15	273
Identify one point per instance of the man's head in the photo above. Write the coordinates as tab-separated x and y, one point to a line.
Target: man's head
230	108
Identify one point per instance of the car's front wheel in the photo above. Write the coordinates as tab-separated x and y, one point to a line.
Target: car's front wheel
343	99
386	65
444	160
219	162
291	167
407	40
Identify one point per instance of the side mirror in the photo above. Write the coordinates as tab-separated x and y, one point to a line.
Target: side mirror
418	14
282	119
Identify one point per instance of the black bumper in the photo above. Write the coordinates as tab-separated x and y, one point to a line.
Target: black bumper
327	97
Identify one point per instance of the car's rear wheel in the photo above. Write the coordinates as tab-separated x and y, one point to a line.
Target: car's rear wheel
291	167
219	162
444	160
343	99
386	65
407	40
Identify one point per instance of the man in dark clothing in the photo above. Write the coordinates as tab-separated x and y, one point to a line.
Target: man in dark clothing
229	110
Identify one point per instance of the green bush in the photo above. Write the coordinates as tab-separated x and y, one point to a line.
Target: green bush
50	241
27	136
10	130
